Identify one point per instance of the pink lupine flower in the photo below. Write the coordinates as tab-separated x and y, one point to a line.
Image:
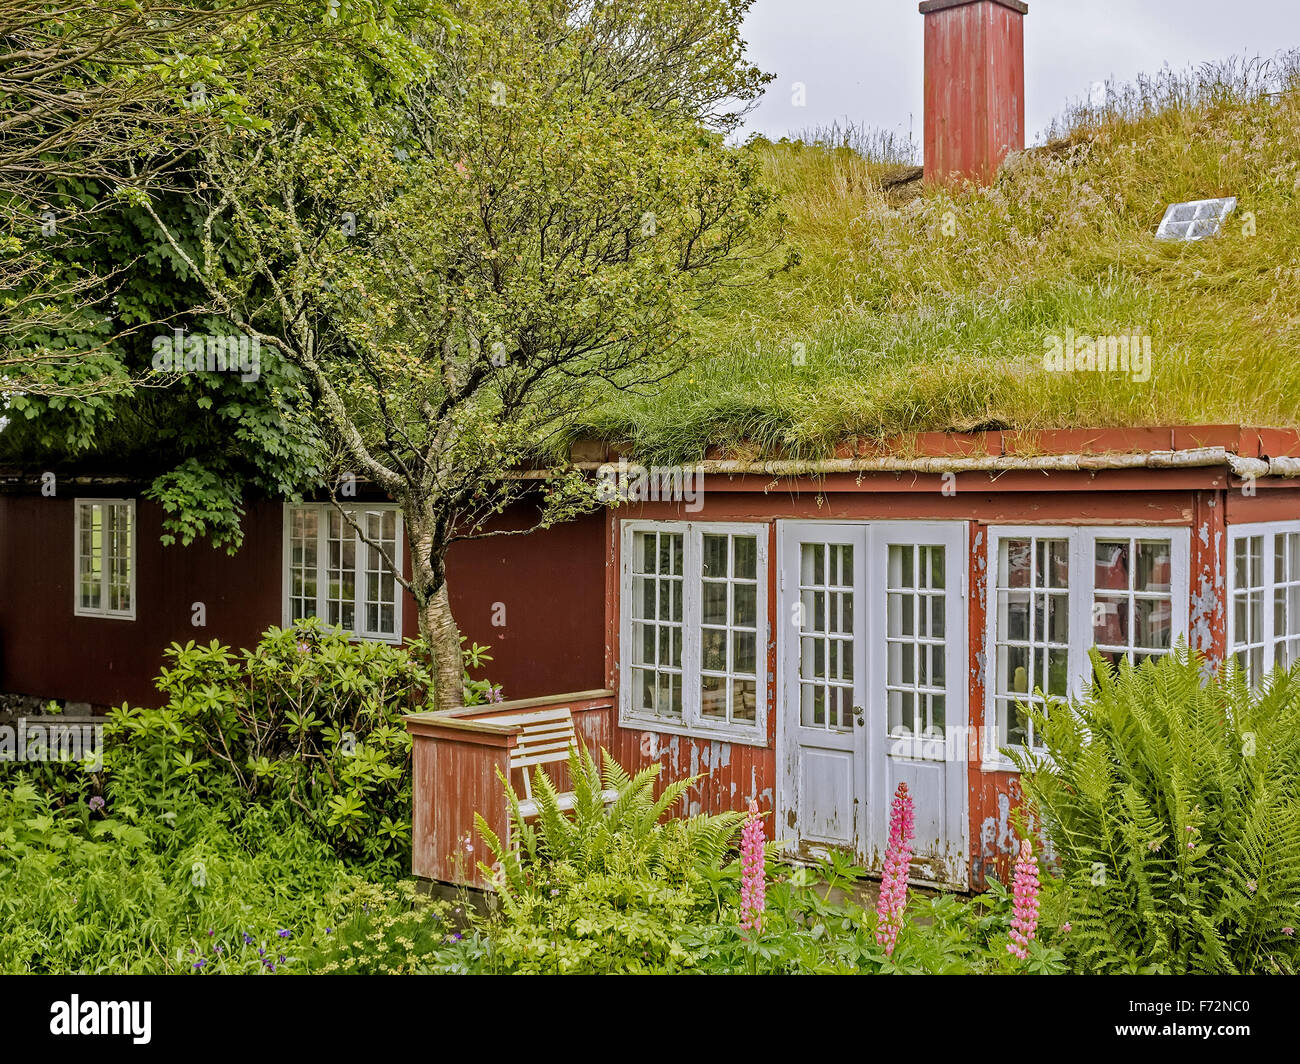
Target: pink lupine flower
753	881
893	884
1024	921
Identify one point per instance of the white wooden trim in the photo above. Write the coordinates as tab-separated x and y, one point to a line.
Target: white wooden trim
691	723
363	550
1082	550
133	547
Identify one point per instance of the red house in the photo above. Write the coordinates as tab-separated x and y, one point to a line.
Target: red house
807	633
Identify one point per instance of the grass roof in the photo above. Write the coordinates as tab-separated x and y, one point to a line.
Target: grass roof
934	314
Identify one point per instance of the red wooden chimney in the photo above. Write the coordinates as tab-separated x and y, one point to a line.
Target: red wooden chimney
974	86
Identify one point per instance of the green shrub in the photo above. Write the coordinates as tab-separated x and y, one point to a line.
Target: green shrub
382	930
307	716
608	888
1174	809
193	887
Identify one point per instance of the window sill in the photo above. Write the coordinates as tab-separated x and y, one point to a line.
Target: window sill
745	737
104	615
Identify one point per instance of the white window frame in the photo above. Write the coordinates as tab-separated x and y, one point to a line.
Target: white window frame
133	550
363	551
1082	541
1269	530
692	724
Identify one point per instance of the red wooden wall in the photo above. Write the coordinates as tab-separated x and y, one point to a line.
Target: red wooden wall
547	588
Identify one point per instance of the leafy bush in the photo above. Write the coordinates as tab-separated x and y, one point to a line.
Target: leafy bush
1174	808
609	888
624	887
188	886
307	716
382	930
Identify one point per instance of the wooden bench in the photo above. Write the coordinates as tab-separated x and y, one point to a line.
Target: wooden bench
546	738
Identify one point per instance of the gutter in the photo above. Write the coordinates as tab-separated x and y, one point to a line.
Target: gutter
1195	458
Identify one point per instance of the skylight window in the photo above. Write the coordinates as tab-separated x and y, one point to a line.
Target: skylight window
1195	220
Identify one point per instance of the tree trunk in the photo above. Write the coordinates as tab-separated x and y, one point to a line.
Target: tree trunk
438	628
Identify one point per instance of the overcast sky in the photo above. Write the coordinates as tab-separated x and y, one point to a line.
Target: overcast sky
862	59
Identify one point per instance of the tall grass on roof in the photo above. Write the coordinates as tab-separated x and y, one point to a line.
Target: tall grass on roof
935	314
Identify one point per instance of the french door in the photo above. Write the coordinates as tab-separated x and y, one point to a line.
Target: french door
872	658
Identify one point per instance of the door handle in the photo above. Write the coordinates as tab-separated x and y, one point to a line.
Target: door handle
859	716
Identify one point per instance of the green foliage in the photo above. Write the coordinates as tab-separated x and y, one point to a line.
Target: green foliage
381	930
307	716
127	104
609	887
1174	808
820	921
185	884
623	886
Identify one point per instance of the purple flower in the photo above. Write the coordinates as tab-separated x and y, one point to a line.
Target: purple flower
210	932
281	958
329	930
199	964
218	949
248	939
283	933
96	803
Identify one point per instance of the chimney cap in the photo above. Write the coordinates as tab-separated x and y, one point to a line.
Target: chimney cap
930	6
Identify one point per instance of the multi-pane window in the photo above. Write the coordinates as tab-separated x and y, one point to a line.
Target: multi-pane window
340	576
1264	622
1032	631
105	558
729	628
1132	598
658	559
1248	604
695	627
826	636
1286	599
916	648
1055	593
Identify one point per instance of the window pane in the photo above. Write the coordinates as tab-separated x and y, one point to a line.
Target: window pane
1015	565
745	558
744	700
1111	571
714	603
745	606
1153	566
715	556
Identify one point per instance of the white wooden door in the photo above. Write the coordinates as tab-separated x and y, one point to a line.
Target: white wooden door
918	698
872	651
821	733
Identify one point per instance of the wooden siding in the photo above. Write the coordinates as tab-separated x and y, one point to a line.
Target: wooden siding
459	758
545	588
974	89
